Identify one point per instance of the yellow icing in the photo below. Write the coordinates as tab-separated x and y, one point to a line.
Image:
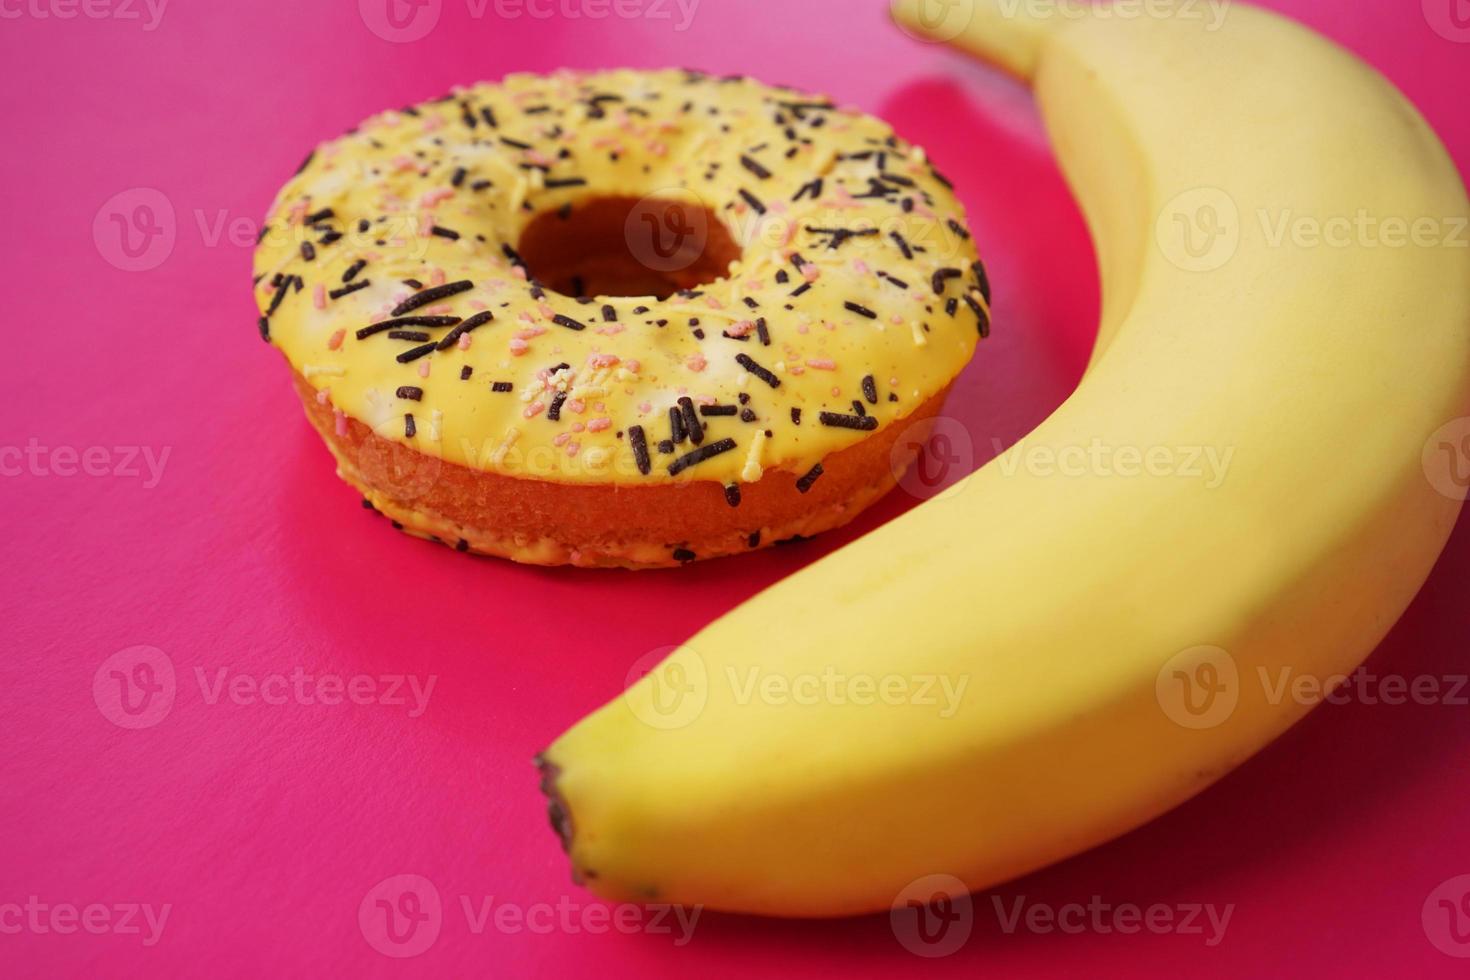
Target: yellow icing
659	135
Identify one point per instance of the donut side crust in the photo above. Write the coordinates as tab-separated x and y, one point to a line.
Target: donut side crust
541	522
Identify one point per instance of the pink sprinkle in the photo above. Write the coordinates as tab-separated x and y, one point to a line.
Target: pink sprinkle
324	396
437	277
633	366
599	425
576	406
433	123
602	360
810	272
519	271
860	266
896	320
715	304
424	368
579	427
319	296
534	409
821	364
335	341
611	329
464	341
426	225
562	438
697	363
518	347
340	418
658	148
546	311
836	392
432	198
573	449
742	329
528	332
403	163
537	157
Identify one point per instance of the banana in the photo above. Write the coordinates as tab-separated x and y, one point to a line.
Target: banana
1102	635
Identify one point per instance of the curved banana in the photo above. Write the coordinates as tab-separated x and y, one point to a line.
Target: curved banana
1106	638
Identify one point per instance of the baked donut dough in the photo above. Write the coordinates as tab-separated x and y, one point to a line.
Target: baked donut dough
620	319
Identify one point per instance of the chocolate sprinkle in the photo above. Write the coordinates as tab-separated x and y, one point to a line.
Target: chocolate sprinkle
432	295
755	203
861	310
353	270
700	455
407	321
411	393
470	323
410	429
805	483
745	361
691	421
870	390
350	288
409	356
755	168
732	494
565	321
502	387
639	441
836	420
941	278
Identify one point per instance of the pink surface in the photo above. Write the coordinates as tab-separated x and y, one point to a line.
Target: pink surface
266	828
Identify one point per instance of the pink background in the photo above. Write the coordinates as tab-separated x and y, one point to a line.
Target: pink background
264	827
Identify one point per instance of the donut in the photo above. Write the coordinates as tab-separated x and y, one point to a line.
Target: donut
620	319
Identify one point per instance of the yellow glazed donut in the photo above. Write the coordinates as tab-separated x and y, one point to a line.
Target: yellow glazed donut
620	319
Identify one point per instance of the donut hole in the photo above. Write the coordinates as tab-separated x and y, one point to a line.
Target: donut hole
627	246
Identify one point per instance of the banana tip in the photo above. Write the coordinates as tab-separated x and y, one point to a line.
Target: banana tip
556	805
